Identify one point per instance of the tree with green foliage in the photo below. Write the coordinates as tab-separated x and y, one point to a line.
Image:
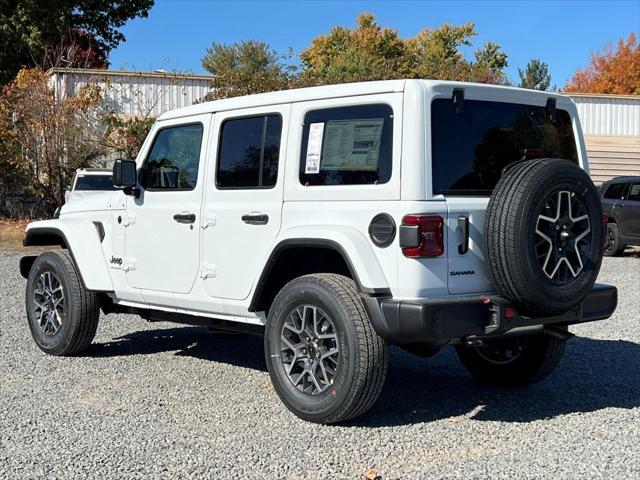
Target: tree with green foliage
535	75
489	65
244	68
366	52
492	57
44	33
436	52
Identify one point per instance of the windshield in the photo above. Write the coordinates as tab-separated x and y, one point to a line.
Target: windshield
470	150
94	182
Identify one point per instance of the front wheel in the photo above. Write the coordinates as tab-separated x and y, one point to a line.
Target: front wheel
513	361
63	314
326	362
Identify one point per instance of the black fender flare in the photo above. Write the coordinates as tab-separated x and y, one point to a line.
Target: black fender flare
309	243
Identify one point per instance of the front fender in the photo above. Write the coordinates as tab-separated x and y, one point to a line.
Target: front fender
82	239
354	247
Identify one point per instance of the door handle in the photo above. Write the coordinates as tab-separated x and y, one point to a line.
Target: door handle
255	218
185	217
463	224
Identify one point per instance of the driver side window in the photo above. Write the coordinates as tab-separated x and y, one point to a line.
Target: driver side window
172	163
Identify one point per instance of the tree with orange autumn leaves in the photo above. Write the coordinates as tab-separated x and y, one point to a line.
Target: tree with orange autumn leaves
45	138
616	72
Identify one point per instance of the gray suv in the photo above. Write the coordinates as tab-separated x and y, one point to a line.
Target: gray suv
621	205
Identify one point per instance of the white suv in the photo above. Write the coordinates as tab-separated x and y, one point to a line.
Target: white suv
338	220
88	181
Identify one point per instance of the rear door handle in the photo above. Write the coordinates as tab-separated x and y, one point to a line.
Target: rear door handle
463	224
185	217
255	218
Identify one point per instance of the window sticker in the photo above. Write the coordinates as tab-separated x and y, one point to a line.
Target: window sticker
314	148
352	144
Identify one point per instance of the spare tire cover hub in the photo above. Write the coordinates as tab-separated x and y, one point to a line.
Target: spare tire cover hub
563	230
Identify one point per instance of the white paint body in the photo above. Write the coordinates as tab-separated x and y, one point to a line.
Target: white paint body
213	269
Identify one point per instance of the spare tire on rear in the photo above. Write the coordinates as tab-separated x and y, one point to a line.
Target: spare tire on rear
544	235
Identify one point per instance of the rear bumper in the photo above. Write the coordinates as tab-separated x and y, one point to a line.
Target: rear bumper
439	321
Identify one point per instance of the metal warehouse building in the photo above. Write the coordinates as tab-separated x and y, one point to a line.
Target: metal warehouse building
134	94
611	126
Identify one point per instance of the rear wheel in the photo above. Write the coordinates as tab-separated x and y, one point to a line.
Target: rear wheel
326	362
63	315
613	246
513	361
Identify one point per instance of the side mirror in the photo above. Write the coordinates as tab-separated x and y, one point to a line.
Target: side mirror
124	174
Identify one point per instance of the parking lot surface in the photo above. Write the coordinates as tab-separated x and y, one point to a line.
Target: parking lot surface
160	400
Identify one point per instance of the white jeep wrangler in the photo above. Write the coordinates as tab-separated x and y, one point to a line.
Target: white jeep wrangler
338	220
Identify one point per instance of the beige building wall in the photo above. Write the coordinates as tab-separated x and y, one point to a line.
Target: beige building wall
611	126
612	156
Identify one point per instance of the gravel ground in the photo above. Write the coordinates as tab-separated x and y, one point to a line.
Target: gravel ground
164	401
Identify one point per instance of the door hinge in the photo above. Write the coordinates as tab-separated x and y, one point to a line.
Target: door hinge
209	221
208	271
126	219
129	264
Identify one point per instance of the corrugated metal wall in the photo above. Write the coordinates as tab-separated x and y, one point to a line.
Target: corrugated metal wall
609	114
136	94
611	125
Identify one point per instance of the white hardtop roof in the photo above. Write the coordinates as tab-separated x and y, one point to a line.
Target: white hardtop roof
94	170
332	91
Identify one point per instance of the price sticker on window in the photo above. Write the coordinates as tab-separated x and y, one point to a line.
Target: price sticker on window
314	148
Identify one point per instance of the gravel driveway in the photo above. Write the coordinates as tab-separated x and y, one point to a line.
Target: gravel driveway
164	401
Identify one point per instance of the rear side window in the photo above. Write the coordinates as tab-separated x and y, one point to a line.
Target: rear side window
94	182
471	149
614	192
347	145
634	192
249	152
173	161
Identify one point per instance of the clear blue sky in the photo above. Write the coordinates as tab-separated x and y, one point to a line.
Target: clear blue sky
177	33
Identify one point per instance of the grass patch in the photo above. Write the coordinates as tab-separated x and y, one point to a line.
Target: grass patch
11	234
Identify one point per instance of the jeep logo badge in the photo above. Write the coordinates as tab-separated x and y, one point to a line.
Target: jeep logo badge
115	260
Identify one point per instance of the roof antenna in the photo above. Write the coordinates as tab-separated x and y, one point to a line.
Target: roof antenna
457	100
551	109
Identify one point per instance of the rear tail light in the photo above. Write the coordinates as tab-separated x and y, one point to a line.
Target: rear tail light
509	313
605	222
422	236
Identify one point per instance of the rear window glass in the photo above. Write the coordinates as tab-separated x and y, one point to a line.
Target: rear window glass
614	192
470	150
94	182
634	192
347	145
